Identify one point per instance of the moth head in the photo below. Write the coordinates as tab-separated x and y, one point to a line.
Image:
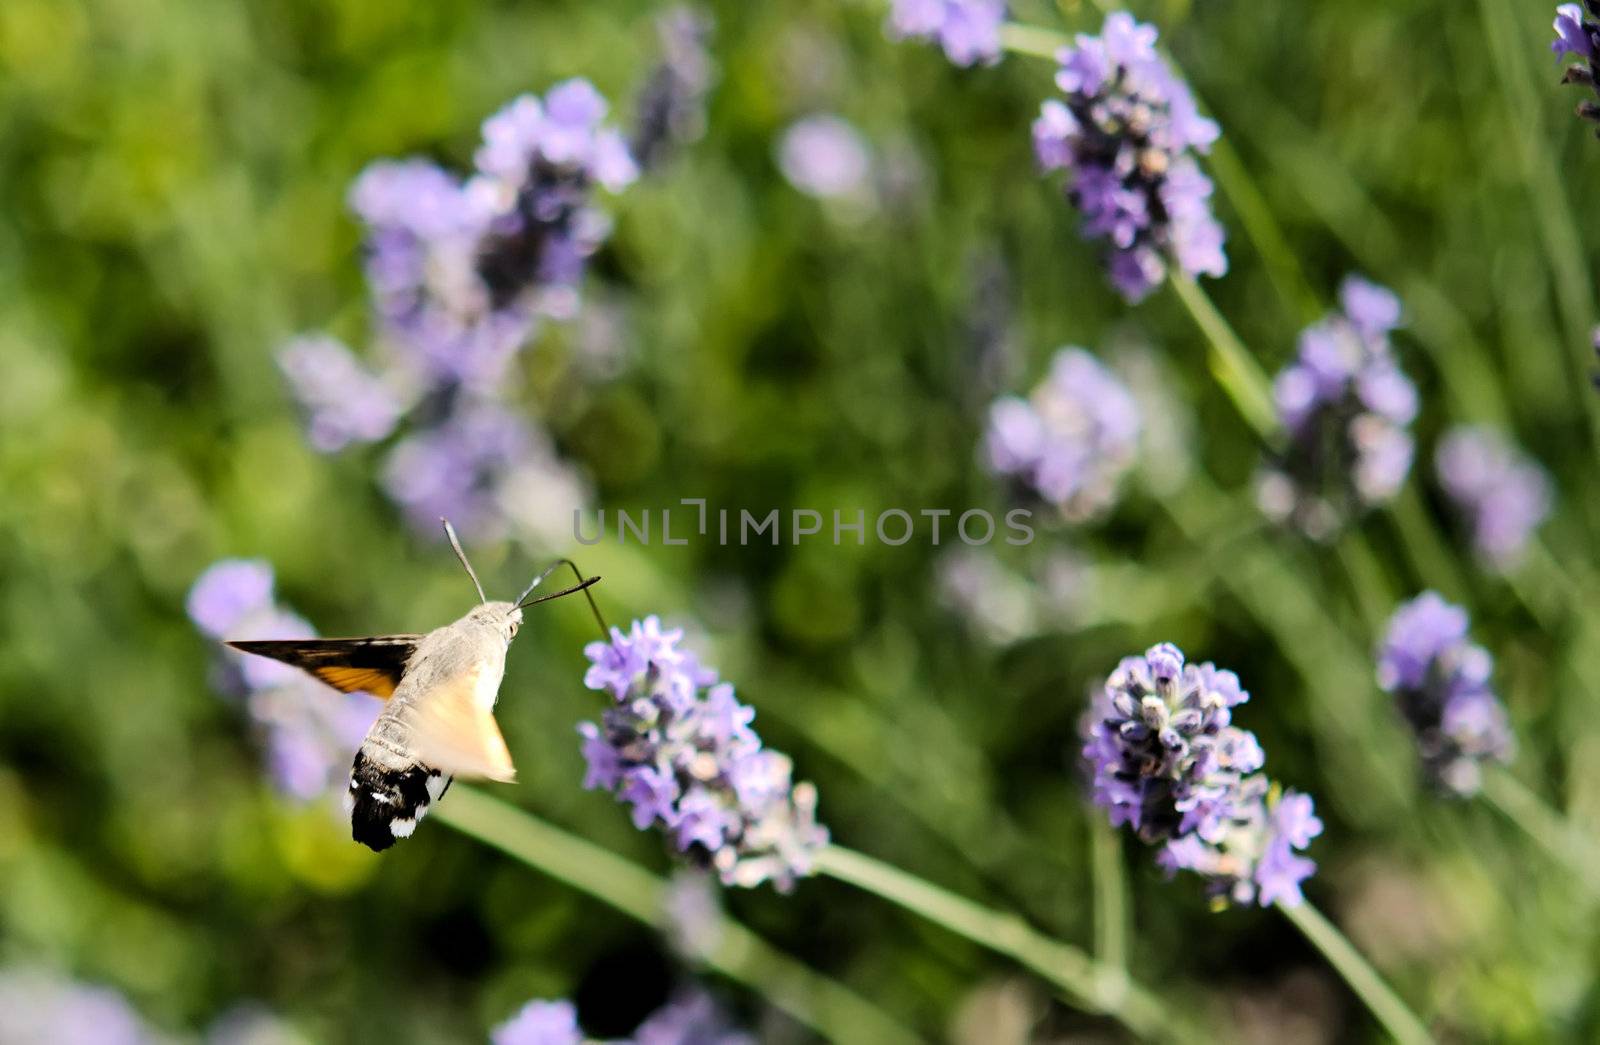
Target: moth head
505	617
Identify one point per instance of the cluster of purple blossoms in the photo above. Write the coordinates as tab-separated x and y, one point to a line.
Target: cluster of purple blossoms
1125	135
691	1017
1072	440
1504	493
460	272
677	746
968	30
671	107
1578	33
1441	682
1168	762
1346	407
308	729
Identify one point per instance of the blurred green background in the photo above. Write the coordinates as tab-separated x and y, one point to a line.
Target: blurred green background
172	182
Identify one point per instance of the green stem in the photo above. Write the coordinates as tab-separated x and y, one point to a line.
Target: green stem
1086	982
1235	369
1544	825
1367	581
1401	1023
1110	894
1552	210
1263	230
1425	546
826	1006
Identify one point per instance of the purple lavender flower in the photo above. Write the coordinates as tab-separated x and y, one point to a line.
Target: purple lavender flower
37	1006
424	228
1167	761
1441	683
540	1023
1573	36
1125	135
1504	494
1370	308
672	105
230	591
824	156
968	30
1072	440
457	469
1578	34
345	402
308	730
1346	408
677	746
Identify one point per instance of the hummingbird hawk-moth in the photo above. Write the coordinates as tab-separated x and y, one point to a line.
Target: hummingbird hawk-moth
438	722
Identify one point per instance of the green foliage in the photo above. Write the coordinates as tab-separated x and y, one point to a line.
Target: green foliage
173	176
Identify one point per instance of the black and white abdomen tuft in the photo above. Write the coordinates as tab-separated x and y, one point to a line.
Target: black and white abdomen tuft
385	804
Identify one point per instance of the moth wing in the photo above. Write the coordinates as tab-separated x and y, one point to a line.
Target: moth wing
369	665
453	732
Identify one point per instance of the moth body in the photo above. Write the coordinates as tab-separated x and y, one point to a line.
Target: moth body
436	726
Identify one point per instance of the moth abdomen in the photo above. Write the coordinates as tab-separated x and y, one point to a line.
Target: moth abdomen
385	804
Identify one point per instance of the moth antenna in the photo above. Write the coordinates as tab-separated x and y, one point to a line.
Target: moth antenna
548	570
583	586
455	542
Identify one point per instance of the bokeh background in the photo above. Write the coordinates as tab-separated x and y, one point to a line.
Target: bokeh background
172	209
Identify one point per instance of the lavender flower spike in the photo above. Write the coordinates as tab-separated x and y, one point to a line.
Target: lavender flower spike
1503	493
308	731
1072	440
1125	134
677	746
1346	408
1578	34
1441	682
461	270
968	30
1167	761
